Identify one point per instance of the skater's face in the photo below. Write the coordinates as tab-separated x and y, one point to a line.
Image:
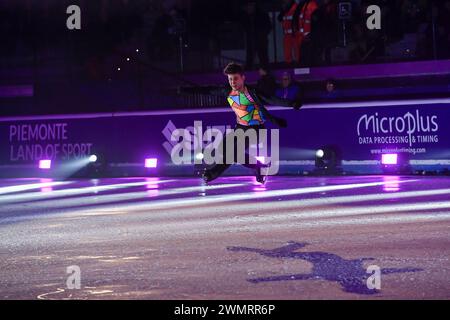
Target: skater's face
236	81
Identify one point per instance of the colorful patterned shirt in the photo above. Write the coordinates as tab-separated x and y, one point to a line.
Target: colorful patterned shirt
247	112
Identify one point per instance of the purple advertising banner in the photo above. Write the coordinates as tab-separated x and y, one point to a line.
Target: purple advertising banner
416	130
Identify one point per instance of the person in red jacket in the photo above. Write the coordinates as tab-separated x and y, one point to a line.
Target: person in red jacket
291	36
305	14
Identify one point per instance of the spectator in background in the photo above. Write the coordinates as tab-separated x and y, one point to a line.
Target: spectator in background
288	18
413	13
330	85
359	47
257	26
324	32
331	91
266	84
162	41
443	30
432	27
305	13
394	28
289	88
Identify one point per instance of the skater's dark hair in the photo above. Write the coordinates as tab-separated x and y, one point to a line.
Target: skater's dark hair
233	68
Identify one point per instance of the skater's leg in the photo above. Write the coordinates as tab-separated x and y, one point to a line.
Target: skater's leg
216	170
251	161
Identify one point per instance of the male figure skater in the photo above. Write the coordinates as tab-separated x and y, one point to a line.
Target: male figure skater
248	105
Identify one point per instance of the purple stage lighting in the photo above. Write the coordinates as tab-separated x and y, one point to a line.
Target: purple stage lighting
151	162
45	164
389	159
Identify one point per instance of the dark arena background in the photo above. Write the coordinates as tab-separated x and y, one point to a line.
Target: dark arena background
108	110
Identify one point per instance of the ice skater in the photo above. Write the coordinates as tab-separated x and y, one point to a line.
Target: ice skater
248	105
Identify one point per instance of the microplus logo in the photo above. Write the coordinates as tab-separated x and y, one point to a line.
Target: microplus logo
409	125
193	145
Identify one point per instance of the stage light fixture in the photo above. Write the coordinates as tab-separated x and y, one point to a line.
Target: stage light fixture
45	164
395	163
328	160
389	159
93	158
320	153
151	163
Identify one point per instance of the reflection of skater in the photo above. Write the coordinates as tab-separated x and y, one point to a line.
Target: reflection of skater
248	104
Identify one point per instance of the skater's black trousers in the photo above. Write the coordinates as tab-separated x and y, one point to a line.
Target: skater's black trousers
219	168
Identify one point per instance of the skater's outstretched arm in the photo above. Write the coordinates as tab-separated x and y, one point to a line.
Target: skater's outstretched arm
280	122
275	101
